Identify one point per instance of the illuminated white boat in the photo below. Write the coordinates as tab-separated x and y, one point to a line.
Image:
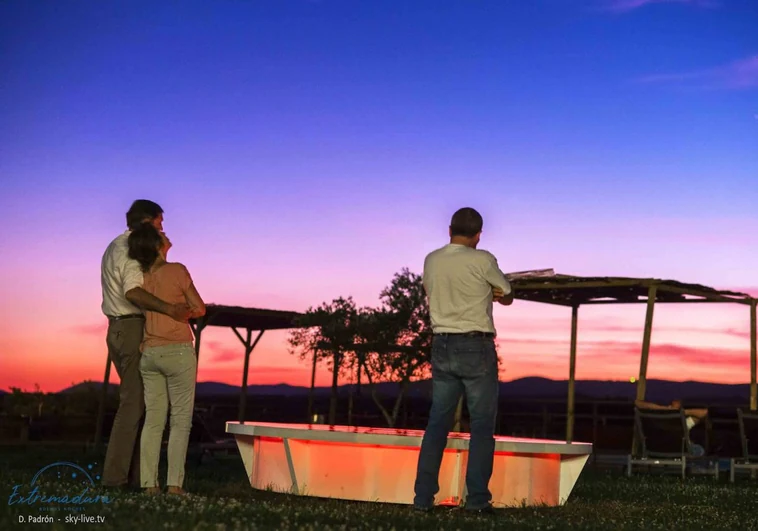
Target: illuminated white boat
379	464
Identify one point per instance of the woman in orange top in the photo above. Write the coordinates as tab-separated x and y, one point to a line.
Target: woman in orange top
168	364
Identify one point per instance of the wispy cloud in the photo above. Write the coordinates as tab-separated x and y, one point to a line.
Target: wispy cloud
90	329
630	5
518	328
268	375
218	352
621	359
671	354
741	74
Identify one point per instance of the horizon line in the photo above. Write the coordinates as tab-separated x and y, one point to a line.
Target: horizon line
280	384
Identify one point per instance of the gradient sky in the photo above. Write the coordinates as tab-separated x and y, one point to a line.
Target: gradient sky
304	150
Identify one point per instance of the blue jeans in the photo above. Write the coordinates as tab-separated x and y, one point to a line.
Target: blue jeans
460	363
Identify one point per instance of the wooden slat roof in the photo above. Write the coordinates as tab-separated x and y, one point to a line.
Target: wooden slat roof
564	290
570	290
247	318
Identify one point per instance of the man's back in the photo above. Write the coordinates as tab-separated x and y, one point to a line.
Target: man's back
459	281
119	274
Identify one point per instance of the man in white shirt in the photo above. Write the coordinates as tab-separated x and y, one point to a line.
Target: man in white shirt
461	283
123	303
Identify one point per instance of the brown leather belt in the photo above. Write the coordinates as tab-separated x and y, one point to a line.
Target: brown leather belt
127	316
466	334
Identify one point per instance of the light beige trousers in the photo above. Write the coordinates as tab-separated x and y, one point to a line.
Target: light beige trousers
168	373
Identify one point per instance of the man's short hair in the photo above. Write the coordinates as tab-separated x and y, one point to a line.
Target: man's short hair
141	210
466	222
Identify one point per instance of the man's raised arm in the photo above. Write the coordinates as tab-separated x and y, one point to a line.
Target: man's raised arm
501	288
136	294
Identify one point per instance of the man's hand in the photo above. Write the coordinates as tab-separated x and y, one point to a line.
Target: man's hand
143	299
180	312
499	295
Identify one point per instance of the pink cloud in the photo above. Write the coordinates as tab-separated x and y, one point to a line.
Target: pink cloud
606	357
721	357
227	354
733	332
218	352
508	329
740	74
668	354
264	375
630	5
737	333
91	329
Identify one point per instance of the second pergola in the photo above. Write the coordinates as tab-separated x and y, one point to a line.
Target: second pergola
243	322
573	292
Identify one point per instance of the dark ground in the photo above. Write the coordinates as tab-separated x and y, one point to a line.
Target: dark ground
223	500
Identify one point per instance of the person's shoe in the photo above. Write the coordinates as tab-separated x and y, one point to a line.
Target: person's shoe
423	508
488	509
177	491
152	491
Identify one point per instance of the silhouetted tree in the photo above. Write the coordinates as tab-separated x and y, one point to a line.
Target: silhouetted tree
395	339
328	334
26	403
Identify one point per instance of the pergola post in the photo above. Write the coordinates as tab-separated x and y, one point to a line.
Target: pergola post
360	366
642	381
197	329
572	375
101	407
312	389
246	341
753	384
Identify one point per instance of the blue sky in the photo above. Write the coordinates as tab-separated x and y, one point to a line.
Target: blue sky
518	95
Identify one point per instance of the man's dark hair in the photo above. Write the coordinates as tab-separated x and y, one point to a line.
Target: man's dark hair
466	222
141	210
144	242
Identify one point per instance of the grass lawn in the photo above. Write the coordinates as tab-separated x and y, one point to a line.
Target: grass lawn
223	500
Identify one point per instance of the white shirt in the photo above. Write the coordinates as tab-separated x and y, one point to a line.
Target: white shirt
119	274
458	281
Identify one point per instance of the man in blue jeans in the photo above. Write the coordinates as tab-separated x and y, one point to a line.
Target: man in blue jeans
461	283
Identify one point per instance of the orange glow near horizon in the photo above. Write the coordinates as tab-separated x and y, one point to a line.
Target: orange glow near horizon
704	344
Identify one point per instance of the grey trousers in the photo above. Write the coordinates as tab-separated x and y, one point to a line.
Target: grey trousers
122	457
168	373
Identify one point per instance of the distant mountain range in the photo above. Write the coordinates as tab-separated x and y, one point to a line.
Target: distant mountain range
662	391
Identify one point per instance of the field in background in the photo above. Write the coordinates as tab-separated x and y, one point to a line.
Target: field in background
71	417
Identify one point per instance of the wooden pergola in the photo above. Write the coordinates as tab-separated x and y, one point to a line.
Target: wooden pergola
249	320
243	322
573	291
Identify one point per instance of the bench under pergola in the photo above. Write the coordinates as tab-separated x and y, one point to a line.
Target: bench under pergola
575	291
